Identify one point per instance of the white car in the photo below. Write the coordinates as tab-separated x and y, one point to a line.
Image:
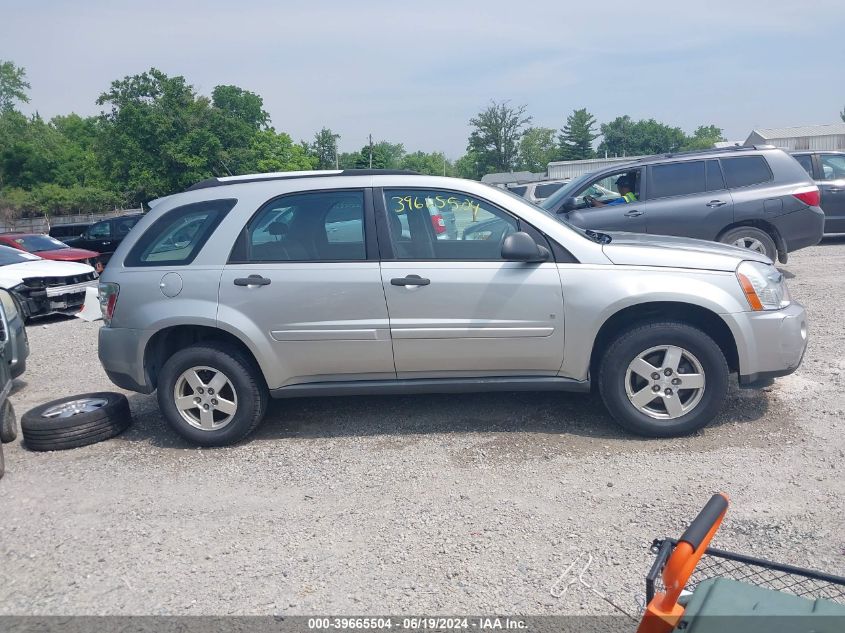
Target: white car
43	286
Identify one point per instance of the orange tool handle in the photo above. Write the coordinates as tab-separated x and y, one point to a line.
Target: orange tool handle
664	612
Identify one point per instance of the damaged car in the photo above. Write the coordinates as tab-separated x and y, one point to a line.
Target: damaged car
40	286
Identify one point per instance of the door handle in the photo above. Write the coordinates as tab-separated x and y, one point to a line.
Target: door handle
252	280
633	214
410	280
834	190
716	203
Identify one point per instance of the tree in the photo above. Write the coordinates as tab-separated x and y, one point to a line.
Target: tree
624	137
468	166
13	86
385	156
497	133
704	137
324	148
577	136
433	164
537	149
240	105
842	115
278	152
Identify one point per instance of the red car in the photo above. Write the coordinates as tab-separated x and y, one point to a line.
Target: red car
48	248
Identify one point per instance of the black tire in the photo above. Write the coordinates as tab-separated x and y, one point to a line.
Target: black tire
8	423
107	415
244	380
629	344
750	234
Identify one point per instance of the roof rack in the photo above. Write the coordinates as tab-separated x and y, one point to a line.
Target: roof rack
712	150
290	175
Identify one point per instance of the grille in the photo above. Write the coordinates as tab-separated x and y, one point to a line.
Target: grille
52	282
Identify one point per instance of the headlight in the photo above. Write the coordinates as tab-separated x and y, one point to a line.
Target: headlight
763	286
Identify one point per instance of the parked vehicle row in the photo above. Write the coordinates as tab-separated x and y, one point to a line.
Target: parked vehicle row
327	283
827	169
753	197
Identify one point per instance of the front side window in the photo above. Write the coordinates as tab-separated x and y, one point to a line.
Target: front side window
605	190
677	179
746	171
433	224
833	166
313	226
177	236
100	231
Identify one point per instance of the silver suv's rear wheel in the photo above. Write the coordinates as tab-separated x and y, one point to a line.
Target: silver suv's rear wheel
212	394
663	379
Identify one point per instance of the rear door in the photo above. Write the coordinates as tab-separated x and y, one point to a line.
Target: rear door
305	276
688	199
832	187
457	309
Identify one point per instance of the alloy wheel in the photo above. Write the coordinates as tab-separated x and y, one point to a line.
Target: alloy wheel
665	382
205	398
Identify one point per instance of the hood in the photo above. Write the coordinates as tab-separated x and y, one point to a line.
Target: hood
14	274
67	254
637	249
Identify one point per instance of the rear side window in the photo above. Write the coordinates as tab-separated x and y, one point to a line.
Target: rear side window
317	226
520	191
806	161
176	238
122	226
746	171
715	180
677	179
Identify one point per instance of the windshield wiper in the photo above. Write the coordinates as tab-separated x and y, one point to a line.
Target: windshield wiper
597	236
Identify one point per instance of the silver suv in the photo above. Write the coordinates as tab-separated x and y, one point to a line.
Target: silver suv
334	283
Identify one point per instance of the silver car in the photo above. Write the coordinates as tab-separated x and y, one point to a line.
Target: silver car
245	288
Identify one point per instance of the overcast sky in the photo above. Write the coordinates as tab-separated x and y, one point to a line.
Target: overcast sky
415	72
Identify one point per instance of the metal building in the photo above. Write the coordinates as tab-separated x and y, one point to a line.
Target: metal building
573	168
815	137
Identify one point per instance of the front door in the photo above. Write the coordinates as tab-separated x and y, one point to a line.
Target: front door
599	206
456	308
688	199
832	188
307	284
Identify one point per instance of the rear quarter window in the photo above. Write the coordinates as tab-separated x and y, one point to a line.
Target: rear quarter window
177	237
746	171
544	191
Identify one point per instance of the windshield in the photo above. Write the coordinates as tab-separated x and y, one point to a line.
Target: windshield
9	255
38	243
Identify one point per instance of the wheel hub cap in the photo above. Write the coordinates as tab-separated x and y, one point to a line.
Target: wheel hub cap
751	244
665	382
205	398
75	407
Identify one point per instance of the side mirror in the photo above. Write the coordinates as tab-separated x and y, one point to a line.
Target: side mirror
568	205
521	247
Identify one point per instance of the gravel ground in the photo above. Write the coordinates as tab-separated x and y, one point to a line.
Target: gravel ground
427	504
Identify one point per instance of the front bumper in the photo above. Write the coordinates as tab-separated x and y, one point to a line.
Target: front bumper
769	343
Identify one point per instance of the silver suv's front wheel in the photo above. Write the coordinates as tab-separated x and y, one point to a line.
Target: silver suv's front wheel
663	379
211	394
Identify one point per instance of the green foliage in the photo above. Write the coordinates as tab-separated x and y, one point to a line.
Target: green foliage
624	137
577	136
278	152
324	148
704	137
385	156
496	135
468	166
433	164
537	149
13	86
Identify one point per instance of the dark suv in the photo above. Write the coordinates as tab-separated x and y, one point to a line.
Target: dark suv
104	236
827	169
755	197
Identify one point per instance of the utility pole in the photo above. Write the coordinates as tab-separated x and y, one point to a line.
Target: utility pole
371	151
336	158
444	164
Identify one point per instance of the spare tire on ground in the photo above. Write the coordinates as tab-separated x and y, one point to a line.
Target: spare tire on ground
75	421
8	423
2	462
